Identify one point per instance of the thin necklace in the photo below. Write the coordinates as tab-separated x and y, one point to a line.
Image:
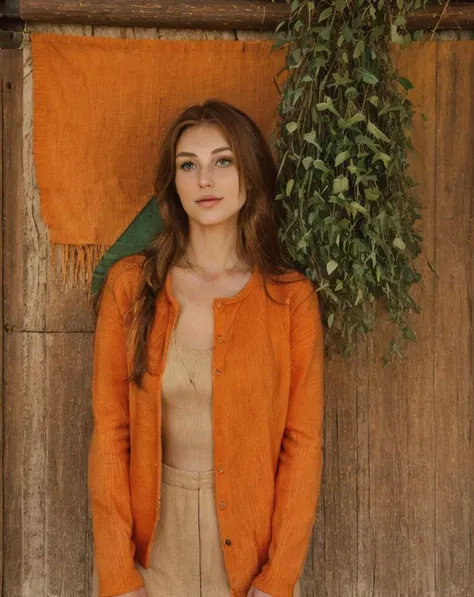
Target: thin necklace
215	279
181	362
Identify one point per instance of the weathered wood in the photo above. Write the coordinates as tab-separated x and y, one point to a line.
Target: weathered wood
68	424
1	314
335	559
211	14
395	482
47	428
12	172
195	14
453	325
456	16
13	465
417	369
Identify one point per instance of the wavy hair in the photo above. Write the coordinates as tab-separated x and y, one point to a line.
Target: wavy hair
258	221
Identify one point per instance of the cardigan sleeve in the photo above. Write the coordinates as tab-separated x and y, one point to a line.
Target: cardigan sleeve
299	472
109	480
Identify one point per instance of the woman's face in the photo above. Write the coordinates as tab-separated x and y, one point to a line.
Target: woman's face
207	179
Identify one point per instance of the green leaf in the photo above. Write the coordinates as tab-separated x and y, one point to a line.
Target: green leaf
322	106
319	165
371	194
359	49
340	185
383	157
369	78
357	207
399	244
289	186
310	137
405	83
342	157
345	124
291	127
374	100
331	266
395	36
330	320
135	239
307	161
325	14
376	132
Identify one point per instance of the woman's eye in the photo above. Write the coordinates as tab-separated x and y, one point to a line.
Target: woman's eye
185	164
226	160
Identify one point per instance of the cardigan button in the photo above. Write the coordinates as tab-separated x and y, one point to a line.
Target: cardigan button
218	371
219	304
221	468
228	542
222	505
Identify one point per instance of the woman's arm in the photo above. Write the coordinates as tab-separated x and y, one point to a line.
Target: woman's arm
300	465
109	452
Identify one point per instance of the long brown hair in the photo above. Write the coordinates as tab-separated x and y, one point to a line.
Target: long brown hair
258	221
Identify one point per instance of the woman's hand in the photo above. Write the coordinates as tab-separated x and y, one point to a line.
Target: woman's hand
138	593
254	592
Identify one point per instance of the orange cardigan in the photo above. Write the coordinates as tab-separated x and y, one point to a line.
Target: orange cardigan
267	426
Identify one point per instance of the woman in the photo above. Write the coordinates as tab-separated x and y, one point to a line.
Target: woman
205	462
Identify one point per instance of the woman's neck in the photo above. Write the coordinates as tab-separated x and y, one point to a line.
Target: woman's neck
213	248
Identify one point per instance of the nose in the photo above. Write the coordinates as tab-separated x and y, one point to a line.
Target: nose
205	179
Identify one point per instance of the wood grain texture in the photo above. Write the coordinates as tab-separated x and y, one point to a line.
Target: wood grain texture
211	14
1	314
416	383
197	14
12	175
452	323
68	425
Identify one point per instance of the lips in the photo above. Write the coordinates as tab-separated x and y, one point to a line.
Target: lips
209	201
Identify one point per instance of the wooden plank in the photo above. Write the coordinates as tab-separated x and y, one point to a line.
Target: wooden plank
12	92
212	14
415	381
13	465
339	556
47	427
456	16
12	86
68	423
198	14
1	316
395	406
453	324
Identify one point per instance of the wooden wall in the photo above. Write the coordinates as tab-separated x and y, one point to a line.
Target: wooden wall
396	512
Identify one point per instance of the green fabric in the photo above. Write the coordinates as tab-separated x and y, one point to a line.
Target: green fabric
139	234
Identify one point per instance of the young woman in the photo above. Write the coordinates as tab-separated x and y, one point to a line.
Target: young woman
205	462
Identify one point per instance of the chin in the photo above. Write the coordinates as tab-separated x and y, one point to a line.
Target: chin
214	219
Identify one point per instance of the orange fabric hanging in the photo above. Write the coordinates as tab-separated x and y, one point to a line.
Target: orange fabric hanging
100	105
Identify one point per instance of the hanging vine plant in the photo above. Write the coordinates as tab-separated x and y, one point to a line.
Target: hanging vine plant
343	144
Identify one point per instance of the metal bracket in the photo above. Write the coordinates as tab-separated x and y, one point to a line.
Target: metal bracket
11	32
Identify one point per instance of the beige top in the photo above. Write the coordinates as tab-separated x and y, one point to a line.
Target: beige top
187	408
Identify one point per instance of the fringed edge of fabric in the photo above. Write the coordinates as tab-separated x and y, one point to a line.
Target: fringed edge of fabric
76	263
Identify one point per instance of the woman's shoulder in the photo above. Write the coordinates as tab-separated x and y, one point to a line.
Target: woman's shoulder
290	285
125	276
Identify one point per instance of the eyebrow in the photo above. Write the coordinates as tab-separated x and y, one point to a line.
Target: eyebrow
186	154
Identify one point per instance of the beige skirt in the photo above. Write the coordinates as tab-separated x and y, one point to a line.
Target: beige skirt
186	558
